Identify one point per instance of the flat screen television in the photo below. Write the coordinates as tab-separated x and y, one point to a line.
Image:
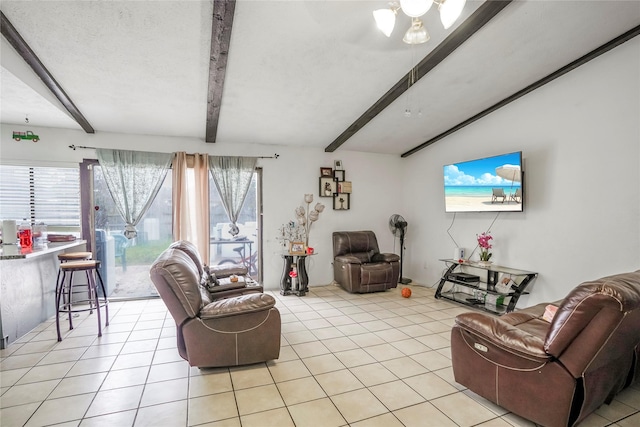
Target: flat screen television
490	184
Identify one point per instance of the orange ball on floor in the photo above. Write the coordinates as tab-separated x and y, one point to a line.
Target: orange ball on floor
406	292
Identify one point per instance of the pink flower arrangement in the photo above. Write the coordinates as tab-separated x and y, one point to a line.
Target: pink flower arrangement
484	243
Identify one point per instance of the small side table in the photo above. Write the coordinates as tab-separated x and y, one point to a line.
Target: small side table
302	282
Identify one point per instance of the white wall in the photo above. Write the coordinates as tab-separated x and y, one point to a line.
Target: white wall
376	182
580	138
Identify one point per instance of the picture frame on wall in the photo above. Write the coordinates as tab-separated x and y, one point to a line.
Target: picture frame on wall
344	187
297	248
337	164
326	171
338	175
341	201
328	186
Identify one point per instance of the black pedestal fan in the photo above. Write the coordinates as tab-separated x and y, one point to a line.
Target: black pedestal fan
398	227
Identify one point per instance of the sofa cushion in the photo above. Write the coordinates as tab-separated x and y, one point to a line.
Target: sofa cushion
371	274
353	242
354	258
238	305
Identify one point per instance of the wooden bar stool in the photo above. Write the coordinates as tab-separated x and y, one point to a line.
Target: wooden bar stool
74	256
71	256
64	291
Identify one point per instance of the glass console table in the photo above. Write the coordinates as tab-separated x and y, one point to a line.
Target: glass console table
468	286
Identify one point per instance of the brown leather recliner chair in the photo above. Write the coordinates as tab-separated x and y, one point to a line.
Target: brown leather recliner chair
358	265
236	330
554	373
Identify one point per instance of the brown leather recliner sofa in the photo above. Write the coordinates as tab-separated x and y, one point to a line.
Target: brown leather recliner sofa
218	277
230	331
554	373
358	265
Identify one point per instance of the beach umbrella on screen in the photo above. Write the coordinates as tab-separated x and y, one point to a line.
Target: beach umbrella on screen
509	172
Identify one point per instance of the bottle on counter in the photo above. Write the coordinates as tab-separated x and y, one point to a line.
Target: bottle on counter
25	235
40	236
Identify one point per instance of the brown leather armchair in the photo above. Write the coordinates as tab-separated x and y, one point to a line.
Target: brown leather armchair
235	330
554	373
358	265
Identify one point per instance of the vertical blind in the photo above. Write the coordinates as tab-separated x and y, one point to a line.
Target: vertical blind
42	194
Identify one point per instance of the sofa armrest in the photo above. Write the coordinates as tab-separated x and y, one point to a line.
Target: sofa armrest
226	285
237	305
227	270
386	257
503	335
348	259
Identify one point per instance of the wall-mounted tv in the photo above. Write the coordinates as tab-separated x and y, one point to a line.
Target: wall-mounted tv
490	184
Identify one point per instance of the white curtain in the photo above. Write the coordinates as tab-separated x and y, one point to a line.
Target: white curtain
232	176
191	201
133	179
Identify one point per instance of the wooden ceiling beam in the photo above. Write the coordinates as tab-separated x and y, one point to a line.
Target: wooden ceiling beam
223	11
469	27
20	45
634	32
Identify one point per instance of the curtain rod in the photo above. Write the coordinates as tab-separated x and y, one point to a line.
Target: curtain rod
74	147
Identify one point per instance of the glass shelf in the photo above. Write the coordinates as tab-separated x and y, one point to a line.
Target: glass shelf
521	279
492	267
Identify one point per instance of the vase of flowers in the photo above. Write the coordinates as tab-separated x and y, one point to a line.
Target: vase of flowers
484	242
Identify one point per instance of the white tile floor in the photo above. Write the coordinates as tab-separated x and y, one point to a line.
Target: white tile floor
360	360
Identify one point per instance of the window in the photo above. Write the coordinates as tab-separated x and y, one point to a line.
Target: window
42	194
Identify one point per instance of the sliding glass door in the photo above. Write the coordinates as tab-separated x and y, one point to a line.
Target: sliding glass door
126	262
245	248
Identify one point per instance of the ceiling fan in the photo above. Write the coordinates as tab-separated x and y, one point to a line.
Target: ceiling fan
450	11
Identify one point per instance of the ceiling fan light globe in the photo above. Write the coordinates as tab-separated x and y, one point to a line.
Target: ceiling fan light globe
450	11
415	8
385	20
416	34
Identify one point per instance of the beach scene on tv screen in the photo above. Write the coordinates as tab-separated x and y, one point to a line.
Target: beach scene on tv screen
490	184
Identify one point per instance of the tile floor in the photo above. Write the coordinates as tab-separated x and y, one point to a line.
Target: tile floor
357	360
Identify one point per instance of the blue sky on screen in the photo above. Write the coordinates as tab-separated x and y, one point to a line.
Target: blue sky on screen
481	171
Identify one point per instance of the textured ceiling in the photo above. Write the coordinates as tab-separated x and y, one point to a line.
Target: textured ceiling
298	72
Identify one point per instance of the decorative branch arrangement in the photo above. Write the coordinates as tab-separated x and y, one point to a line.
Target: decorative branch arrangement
298	231
305	219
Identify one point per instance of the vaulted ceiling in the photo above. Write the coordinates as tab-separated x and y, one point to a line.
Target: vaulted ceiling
299	73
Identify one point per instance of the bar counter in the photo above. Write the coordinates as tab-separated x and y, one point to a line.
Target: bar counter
27	286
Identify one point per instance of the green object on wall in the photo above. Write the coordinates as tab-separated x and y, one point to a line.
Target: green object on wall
28	135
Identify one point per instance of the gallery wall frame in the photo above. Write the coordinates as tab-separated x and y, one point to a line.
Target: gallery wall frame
341	201
327	187
326	171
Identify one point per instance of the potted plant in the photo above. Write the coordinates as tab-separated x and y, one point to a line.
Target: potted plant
484	241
